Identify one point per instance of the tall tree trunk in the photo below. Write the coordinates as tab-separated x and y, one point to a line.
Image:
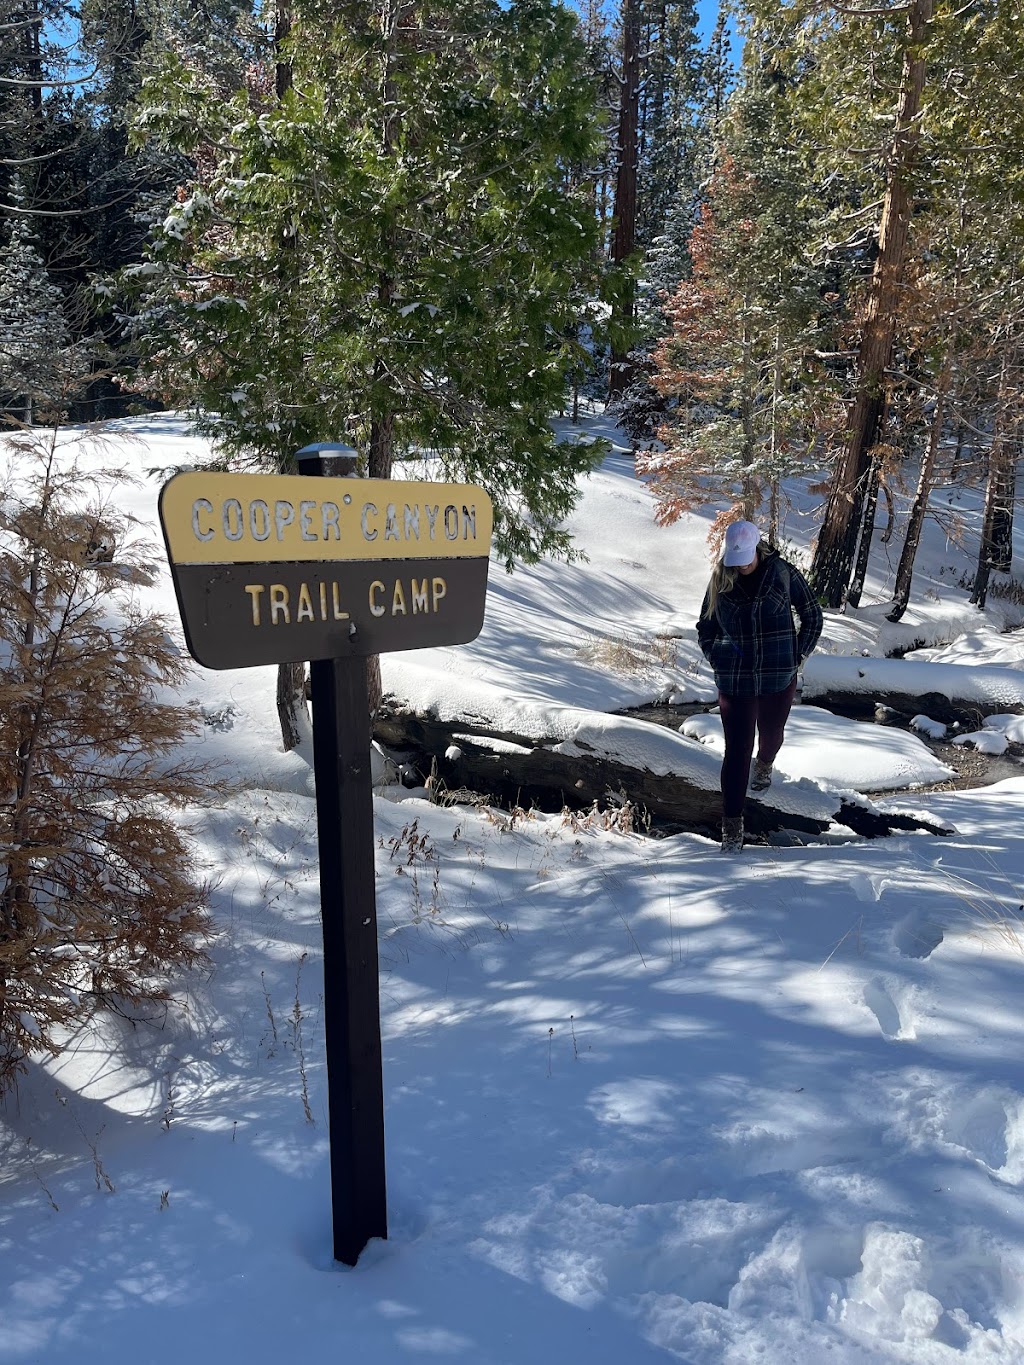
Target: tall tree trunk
395	15
867	531
34	68
282	67
291	702
773	475
833	556
624	213
381	452
958	453
750	490
291	678
915	521
995	551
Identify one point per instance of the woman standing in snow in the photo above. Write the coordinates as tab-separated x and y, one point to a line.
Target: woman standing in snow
748	636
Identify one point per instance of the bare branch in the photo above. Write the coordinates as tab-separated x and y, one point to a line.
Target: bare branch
871	11
42	84
19	212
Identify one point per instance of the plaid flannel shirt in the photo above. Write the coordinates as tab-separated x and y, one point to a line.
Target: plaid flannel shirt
752	643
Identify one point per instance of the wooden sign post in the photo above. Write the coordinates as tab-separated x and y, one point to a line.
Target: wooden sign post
272	568
348	907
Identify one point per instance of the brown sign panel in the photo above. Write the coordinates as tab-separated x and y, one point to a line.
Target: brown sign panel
281	568
241	615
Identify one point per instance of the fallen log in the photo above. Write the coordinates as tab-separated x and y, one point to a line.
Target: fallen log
553	772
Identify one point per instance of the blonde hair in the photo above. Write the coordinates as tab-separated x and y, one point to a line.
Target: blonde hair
723	579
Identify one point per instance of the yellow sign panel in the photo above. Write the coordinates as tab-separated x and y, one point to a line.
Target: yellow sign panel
268	518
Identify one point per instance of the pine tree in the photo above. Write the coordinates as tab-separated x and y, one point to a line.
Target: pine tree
67	71
97	901
888	187
888	109
658	148
675	129
35	345
624	210
740	361
388	251
673	139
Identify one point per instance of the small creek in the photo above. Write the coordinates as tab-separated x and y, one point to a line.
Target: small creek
970	767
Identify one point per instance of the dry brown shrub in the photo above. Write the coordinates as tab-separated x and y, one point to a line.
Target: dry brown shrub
98	901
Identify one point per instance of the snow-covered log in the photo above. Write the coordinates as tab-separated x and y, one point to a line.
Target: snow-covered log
587	756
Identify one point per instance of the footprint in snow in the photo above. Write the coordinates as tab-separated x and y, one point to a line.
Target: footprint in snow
880	1001
990	1127
918	935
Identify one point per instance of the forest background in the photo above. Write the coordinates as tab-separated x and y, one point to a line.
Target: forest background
800	250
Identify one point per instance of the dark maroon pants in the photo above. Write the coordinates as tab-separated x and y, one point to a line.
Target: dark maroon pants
742	718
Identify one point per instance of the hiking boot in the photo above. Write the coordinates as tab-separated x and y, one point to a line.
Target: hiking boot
732	834
760	776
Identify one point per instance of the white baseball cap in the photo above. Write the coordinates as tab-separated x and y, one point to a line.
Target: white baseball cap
741	541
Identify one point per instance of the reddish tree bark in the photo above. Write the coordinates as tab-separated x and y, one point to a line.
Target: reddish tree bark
834	554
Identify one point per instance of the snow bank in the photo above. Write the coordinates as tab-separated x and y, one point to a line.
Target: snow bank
984	685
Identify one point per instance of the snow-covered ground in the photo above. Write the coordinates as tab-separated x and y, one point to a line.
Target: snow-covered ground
644	1103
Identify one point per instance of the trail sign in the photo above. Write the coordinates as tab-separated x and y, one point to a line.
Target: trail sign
270	568
274	568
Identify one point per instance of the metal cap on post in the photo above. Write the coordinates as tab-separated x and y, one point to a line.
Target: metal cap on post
328	457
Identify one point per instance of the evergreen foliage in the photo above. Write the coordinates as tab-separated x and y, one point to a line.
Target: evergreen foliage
739	364
671	130
392	251
854	302
676	90
34	337
67	74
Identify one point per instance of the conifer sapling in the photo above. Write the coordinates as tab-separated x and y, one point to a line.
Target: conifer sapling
97	902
